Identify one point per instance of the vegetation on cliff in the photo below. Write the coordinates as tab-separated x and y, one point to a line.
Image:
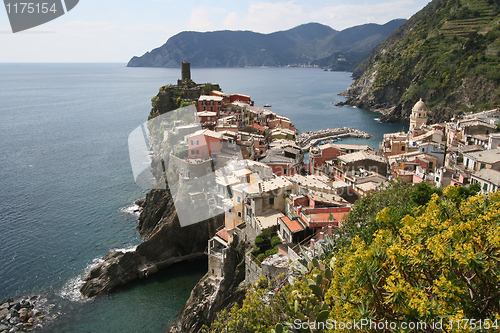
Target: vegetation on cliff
435	258
446	54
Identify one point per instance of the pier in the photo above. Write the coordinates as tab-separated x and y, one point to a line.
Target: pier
308	139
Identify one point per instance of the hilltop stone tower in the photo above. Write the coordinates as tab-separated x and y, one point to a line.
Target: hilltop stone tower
186	71
418	115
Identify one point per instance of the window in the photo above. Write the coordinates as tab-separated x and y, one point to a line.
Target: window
403	148
483	165
271	201
239	214
195	152
195	142
284	171
485	186
238	199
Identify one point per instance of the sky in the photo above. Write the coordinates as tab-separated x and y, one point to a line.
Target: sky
116	30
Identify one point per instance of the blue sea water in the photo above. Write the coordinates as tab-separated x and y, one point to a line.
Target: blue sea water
67	188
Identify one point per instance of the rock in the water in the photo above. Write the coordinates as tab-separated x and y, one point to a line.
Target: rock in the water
117	269
23	314
140	202
3	313
3	327
14	321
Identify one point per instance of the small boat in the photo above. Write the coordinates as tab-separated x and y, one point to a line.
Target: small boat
267	105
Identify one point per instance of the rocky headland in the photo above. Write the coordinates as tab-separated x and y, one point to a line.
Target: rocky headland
165	242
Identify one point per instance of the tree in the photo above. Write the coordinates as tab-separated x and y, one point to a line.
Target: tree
440	263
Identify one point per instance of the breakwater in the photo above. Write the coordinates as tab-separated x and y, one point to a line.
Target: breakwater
311	138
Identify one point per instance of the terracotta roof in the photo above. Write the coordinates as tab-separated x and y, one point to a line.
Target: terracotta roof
292	225
223	234
259	127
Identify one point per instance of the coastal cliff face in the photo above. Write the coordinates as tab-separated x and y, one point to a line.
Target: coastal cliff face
164	239
446	54
214	294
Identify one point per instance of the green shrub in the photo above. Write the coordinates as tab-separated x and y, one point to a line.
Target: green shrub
258	241
256	251
275	241
261	257
272	251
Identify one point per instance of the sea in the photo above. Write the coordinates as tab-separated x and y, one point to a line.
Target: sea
66	185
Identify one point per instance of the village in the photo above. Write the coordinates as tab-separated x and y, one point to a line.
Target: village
283	207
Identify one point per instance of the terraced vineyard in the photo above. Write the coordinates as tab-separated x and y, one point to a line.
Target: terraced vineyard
448	54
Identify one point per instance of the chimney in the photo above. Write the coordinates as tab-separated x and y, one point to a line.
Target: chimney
321	236
311	245
329	230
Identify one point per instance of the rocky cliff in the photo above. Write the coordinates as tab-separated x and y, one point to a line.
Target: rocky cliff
165	241
214	294
447	54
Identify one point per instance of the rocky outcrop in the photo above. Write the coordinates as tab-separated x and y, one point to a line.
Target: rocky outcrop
116	270
214	294
164	241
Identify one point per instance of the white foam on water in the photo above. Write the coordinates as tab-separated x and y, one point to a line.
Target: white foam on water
133	209
71	289
125	249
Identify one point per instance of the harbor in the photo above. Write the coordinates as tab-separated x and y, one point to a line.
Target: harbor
312	138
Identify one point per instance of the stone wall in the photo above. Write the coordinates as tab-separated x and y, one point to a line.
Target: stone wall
252	270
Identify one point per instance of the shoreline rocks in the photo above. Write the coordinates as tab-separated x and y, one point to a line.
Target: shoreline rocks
22	315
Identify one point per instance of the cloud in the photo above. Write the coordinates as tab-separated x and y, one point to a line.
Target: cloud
202	18
231	20
348	15
85	41
266	17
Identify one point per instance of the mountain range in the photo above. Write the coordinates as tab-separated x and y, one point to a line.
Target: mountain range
447	54
311	43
